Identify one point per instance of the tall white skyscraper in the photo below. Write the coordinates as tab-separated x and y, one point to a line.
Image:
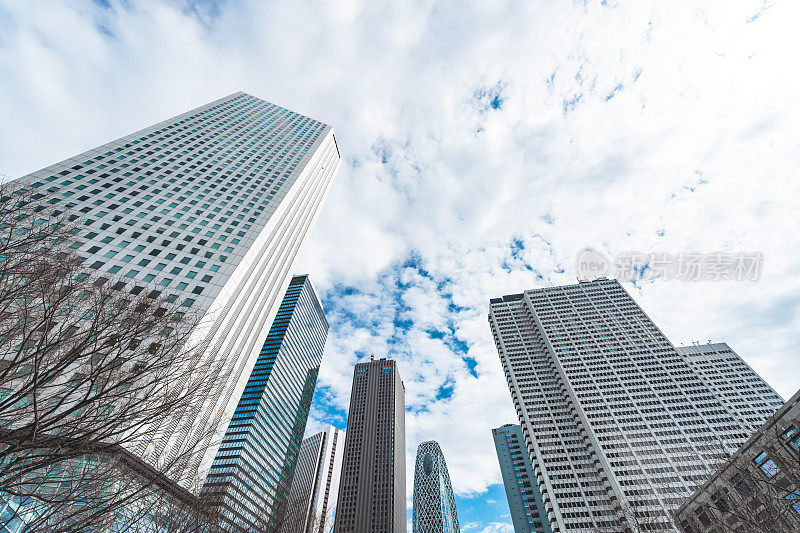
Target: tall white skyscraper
616	420
315	486
741	389
210	208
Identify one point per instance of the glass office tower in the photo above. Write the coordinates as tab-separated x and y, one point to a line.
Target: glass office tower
519	479
209	209
434	504
619	425
249	481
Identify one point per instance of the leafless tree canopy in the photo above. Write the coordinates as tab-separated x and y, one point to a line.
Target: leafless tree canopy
297	518
756	491
86	368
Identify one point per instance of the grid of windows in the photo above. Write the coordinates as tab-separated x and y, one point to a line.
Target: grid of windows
316	482
757	487
207	209
749	398
251	474
615	419
519	479
434	504
372	490
174	208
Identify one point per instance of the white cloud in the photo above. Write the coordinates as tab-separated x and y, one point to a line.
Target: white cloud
614	124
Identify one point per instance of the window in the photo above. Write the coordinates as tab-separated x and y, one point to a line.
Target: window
742	487
769	468
794	500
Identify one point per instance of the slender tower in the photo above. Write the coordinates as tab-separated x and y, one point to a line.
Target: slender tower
619	425
315	486
434	504
210	209
519	479
372	491
250	477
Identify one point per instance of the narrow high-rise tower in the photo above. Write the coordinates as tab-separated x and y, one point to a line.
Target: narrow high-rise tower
315	486
372	490
249	480
619	425
210	209
434	504
519	479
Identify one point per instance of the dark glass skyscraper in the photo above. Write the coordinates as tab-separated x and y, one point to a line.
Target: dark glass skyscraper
524	499
251	475
434	504
372	490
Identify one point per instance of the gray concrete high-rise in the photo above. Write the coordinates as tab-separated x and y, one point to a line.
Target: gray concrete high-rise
208	208
434	503
315	486
249	480
372	489
619	425
519	479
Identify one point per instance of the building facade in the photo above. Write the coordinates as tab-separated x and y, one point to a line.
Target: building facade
619	426
315	486
748	397
757	488
434	503
208	209
522	492
250	477
372	490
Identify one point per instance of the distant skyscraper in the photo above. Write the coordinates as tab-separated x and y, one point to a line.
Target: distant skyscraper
615	419
315	486
250	478
208	208
372	491
434	504
746	395
524	499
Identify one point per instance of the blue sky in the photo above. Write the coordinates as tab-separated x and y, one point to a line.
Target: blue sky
485	144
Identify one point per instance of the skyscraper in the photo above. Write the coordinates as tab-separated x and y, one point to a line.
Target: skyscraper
372	491
746	395
209	208
315	486
618	424
250	478
519	479
434	504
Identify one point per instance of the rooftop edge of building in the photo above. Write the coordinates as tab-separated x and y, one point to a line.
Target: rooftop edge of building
520	296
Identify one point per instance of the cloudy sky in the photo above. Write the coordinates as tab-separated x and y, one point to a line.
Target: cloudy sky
485	144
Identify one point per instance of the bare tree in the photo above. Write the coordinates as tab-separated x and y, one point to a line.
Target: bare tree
637	516
87	369
756	489
300	516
